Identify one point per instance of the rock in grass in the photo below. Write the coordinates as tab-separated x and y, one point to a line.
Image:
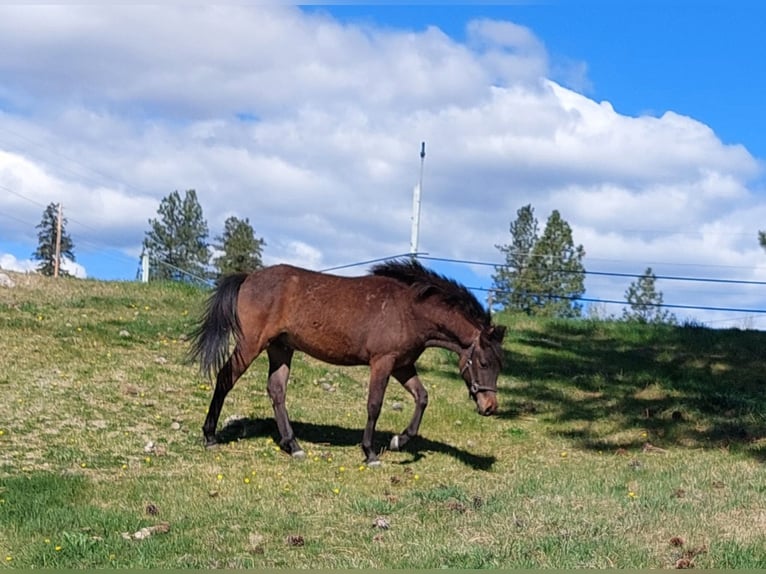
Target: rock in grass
148	531
6	281
255	543
381	522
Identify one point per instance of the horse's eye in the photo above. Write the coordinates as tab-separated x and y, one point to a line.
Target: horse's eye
483	364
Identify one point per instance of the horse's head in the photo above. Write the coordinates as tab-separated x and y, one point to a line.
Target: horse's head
480	366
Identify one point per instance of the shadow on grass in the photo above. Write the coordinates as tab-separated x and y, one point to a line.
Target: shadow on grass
685	386
247	428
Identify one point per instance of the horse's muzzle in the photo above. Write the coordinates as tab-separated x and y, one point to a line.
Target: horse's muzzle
486	404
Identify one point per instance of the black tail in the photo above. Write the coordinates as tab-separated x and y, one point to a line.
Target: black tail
211	338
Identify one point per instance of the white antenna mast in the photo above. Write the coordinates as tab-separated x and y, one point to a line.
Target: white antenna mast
416	205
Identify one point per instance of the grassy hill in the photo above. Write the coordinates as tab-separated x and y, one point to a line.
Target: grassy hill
616	445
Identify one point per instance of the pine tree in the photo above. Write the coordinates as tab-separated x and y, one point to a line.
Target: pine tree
542	275
646	302
46	247
177	240
241	249
511	281
558	274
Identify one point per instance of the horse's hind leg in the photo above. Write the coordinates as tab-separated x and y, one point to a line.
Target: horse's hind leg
229	374
409	379
280	357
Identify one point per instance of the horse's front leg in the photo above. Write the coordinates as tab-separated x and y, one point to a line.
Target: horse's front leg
409	379
380	370
279	371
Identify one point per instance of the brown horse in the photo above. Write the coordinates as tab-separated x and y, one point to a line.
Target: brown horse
384	320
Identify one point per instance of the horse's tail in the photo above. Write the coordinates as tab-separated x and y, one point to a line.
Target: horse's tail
211	338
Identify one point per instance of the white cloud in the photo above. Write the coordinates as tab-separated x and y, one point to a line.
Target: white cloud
10	263
311	129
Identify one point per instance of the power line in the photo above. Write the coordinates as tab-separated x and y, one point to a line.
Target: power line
9	216
82	166
367	262
182	271
618	302
608	273
21	195
677	278
69	219
578	299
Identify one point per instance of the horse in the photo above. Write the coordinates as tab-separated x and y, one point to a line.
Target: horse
385	319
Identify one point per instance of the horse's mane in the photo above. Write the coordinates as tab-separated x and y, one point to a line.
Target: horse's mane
427	283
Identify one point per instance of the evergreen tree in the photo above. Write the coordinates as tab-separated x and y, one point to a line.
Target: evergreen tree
241	249
177	240
511	281
558	273
645	301
543	275
46	247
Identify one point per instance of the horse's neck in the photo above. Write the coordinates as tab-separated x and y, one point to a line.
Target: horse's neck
449	329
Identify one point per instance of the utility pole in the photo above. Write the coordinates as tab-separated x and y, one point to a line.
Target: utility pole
144	267
416	205
57	261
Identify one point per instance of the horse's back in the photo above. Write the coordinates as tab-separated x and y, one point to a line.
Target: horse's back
333	318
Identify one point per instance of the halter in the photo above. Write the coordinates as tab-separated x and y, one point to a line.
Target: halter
475	388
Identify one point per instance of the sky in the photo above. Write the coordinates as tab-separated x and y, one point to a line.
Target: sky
640	122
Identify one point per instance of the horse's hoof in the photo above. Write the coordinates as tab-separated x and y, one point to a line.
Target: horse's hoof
299	455
373	464
394	443
210	442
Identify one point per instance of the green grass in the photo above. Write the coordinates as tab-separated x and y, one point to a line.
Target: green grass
94	372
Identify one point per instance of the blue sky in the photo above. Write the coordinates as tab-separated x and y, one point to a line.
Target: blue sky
640	122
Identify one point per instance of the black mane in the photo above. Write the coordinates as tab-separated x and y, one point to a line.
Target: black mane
427	283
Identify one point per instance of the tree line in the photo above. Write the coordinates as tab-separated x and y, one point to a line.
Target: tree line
177	243
543	273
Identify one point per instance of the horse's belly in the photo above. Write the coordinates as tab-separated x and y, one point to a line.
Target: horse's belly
333	348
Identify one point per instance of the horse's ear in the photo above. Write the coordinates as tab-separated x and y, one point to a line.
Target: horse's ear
496	333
